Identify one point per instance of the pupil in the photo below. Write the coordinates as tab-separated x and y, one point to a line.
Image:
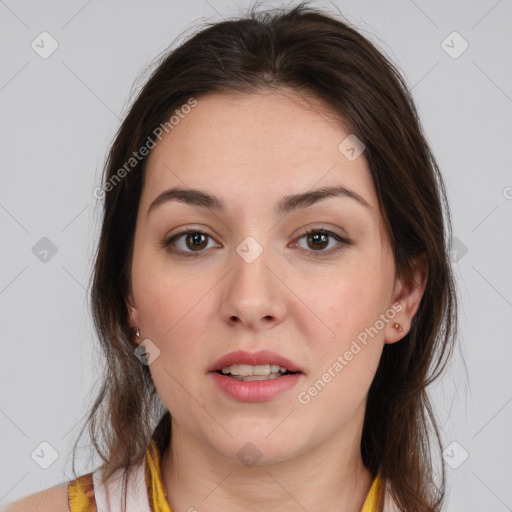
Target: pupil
315	238
196	238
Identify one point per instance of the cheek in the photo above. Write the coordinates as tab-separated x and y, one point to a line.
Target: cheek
347	349
166	294
342	305
173	314
169	309
341	334
174	317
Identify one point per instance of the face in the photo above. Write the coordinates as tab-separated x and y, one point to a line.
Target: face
248	277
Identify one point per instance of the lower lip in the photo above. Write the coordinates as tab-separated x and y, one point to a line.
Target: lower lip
255	390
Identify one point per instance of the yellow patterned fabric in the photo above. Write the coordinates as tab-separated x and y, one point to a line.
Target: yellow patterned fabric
81	494
157	499
372	503
81	490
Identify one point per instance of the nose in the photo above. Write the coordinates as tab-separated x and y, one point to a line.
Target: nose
254	295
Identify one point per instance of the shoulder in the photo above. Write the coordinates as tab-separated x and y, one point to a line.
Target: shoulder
54	499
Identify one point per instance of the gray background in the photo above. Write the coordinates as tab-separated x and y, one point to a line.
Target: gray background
58	116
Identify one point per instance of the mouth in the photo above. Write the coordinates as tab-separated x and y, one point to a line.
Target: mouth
264	363
254	377
249	373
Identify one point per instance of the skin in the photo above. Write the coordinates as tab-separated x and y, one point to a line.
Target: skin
250	150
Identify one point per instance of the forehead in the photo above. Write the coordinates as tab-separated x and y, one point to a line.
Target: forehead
284	122
262	145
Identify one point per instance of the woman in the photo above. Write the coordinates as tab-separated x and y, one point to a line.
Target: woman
272	287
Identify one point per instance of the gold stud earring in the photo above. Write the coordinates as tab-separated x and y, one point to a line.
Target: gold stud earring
137	332
398	327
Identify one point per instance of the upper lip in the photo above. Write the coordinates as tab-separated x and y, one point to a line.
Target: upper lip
254	358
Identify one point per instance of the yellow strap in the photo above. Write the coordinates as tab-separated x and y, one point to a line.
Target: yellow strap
372	501
157	500
81	494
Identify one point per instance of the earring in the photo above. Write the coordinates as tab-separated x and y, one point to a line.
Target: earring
398	327
137	332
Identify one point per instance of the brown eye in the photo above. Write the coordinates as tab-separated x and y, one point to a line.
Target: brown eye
194	243
318	239
196	240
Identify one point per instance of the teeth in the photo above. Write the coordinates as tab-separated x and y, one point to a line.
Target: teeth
247	378
246	370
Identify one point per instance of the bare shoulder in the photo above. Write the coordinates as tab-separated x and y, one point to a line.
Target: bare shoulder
53	499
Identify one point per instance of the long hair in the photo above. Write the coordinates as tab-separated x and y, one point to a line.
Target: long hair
318	54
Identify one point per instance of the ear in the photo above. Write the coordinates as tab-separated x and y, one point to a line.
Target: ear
407	298
133	313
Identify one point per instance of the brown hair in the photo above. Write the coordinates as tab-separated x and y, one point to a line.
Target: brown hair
315	53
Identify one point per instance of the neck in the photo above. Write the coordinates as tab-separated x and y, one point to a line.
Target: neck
195	477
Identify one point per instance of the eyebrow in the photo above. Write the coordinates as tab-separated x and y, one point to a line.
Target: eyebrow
287	204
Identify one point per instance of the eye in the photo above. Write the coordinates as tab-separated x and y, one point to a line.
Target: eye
318	239
196	240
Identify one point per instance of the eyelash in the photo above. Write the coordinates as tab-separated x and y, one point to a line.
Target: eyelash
166	242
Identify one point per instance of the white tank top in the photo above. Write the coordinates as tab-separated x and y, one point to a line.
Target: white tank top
108	497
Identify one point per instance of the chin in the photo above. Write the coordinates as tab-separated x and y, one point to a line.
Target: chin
258	449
